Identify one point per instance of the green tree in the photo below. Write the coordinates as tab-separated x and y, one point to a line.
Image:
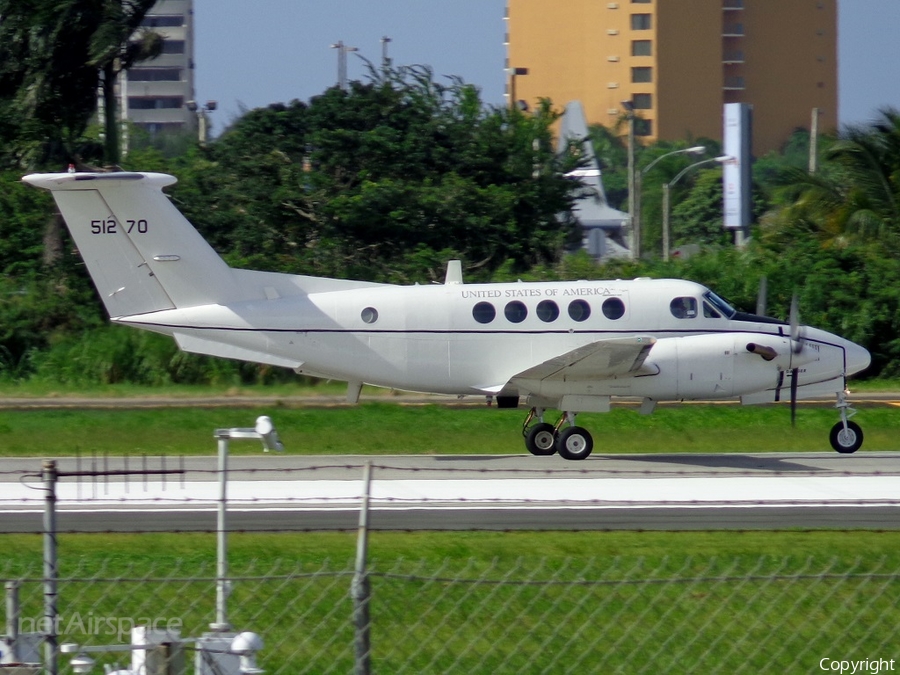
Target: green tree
384	181
52	56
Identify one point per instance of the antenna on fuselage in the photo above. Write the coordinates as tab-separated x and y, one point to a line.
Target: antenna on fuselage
454	272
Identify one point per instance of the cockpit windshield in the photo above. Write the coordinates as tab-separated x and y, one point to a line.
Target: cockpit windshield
727	310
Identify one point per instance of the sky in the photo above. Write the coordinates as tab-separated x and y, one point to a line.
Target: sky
251	54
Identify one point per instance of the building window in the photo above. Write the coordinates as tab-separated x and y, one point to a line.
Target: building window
154	75
643	127
163	21
151	103
642	101
173	47
642	74
641	22
641	48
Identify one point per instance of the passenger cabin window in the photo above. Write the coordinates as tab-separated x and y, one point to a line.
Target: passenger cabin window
484	312
515	311
547	311
613	308
684	308
579	310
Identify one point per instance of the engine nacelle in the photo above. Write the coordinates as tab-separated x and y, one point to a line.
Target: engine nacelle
715	366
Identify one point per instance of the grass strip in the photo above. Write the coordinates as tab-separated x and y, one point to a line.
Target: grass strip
387	428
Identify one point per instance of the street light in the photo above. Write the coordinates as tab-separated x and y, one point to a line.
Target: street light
202	118
639	179
342	62
635	231
667	186
513	102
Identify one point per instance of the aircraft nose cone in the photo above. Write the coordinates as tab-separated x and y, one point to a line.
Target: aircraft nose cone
858	358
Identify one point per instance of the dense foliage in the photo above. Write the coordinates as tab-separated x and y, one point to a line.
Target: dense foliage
389	179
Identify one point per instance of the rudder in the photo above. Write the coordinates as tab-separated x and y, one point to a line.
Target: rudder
141	252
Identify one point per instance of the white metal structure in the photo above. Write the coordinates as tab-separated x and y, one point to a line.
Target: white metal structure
569	346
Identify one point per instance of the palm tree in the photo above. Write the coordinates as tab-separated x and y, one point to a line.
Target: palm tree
52	56
855	196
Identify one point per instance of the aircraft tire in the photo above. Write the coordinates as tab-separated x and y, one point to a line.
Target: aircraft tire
846	441
574	443
541	439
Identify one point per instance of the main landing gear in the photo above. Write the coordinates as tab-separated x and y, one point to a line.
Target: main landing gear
846	436
571	442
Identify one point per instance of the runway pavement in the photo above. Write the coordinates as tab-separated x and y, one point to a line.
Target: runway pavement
495	492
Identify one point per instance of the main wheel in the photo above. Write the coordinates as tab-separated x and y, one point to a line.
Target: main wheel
574	443
846	440
541	439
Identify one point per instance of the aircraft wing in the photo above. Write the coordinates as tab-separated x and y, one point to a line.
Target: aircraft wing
598	360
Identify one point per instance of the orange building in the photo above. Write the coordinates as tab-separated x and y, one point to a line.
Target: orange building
679	62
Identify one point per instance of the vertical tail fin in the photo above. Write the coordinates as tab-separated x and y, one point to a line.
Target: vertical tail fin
141	253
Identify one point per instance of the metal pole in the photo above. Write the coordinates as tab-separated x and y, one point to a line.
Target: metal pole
12	617
814	141
635	222
665	229
221	623
51	649
385	62
360	587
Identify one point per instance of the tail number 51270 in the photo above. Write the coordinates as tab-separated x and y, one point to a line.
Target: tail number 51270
111	226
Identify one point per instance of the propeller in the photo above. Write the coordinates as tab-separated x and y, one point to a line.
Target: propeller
796	348
761	296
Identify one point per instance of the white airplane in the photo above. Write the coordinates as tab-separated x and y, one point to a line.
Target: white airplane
569	346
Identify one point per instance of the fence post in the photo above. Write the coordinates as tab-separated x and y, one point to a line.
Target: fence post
222	587
360	590
13	613
51	652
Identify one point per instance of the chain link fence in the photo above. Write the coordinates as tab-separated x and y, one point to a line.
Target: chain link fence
598	615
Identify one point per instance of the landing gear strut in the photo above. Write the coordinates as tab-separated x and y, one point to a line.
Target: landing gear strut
846	436
572	442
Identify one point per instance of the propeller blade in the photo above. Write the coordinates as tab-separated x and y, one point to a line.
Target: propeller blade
796	344
761	296
795	375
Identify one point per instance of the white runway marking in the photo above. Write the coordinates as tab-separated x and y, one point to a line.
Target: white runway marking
546	492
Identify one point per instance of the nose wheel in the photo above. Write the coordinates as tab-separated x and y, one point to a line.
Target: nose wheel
572	442
846	436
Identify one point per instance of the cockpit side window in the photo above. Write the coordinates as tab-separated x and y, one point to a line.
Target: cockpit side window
684	308
709	312
720	305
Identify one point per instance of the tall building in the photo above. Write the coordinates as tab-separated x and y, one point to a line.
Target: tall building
679	61
158	91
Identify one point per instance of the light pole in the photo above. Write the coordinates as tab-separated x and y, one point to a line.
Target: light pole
202	118
667	187
635	224
639	179
342	61
385	61
513	72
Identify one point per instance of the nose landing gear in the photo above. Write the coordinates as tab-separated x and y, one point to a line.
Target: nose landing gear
846	436
572	442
